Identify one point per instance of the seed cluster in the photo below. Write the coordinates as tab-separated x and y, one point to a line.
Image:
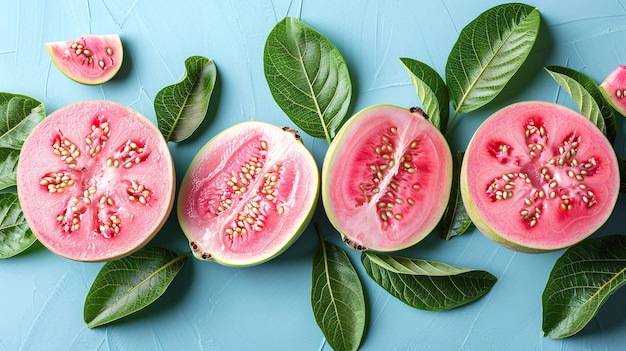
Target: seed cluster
392	168
66	150
56	182
253	215
560	179
132	153
79	49
100	132
138	193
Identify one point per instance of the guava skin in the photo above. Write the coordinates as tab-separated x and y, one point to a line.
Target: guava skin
96	181
539	177
386	178
90	59
248	194
613	88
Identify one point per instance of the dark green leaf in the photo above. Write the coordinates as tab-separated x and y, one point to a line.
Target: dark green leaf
307	77
427	285
431	90
131	283
587	96
19	115
455	220
337	298
15	235
581	281
180	108
488	52
8	167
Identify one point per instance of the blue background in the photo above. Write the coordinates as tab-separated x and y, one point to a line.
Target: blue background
267	307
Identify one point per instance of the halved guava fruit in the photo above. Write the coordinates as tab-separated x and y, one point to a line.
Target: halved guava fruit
248	194
90	59
95	180
386	178
614	89
539	177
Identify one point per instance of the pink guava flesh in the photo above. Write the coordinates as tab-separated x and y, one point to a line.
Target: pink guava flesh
539	177
248	194
386	178
90	59
95	180
614	89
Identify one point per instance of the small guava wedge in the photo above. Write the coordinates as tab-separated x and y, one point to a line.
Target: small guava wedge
90	59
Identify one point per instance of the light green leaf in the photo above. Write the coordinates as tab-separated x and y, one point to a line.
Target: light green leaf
130	284
581	281
307	77
337	298
8	167
19	115
587	96
455	220
180	108
488	52
427	285
15	235
431	90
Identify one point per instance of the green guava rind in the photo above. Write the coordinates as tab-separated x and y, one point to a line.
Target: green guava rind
207	175
614	82
346	169
556	230
104	60
139	222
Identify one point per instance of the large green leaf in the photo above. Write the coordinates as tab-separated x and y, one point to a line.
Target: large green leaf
180	108
581	281
337	298
587	96
488	52
455	220
19	115
431	90
307	77
427	285
15	235
8	167
130	284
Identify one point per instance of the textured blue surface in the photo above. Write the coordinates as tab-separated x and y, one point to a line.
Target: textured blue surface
211	307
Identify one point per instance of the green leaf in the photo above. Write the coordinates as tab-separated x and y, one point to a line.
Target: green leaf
581	281
131	283
427	285
488	52
455	220
307	77
587	96
15	235
8	167
337	298
19	115
180	108
431	90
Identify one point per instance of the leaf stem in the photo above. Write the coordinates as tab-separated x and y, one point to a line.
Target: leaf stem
456	113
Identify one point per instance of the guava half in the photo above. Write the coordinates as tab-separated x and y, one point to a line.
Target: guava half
614	89
95	180
386	178
539	177
90	59
248	194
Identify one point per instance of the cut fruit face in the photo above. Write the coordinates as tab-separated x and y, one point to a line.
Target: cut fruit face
248	194
538	177
95	181
386	178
